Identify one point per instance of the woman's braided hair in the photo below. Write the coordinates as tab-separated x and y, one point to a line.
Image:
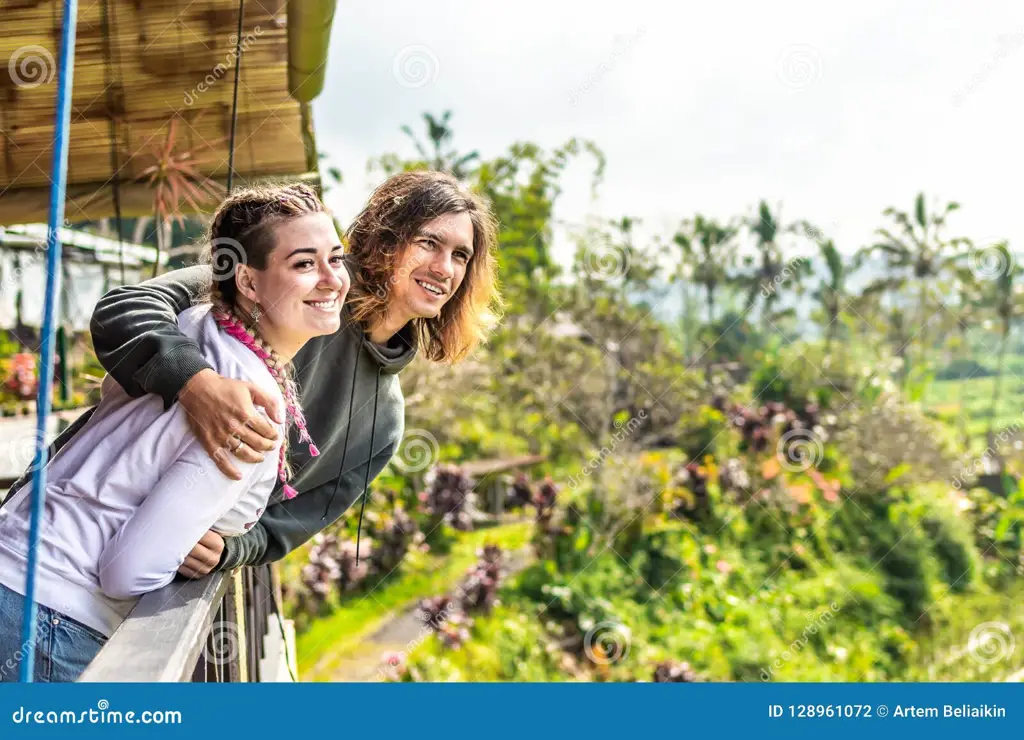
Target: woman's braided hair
242	233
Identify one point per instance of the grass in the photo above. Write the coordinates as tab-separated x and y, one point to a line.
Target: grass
339	635
944	398
986	622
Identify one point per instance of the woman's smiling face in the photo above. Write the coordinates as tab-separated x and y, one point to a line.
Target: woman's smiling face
431	267
301	291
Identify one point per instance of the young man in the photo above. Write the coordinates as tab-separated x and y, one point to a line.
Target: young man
421	257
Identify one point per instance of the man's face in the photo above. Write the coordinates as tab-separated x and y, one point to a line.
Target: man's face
432	266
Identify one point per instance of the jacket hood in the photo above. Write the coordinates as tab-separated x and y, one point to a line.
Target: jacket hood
396	354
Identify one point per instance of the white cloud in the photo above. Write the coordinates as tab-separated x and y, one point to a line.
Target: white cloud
836	113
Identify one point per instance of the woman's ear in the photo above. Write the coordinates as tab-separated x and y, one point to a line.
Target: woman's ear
245	281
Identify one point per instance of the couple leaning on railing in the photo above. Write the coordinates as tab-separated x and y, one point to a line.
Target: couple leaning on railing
250	401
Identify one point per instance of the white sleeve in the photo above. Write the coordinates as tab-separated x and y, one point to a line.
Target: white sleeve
188	499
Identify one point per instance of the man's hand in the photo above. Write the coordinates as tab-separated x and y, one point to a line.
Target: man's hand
204	556
222	411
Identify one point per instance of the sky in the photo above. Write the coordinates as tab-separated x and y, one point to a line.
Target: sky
702	107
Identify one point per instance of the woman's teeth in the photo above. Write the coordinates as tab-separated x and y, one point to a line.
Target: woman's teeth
430	288
328	305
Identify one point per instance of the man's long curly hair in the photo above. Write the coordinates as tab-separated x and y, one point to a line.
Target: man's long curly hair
393	216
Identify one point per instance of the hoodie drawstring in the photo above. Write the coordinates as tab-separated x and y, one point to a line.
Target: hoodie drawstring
344	451
348	428
366	479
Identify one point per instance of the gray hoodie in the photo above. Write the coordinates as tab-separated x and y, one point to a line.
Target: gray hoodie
348	386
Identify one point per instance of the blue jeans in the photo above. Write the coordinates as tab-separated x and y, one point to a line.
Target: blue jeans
64	647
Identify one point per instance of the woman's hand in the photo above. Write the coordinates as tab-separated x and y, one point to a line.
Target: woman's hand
222	412
204	556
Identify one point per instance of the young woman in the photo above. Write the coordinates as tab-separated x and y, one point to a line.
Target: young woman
130	494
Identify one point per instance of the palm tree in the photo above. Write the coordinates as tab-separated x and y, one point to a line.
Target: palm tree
708	248
707	253
769	269
639	267
832	291
434	154
919	253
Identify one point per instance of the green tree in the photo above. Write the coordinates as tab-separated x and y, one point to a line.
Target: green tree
831	293
436	151
768	273
917	255
522	187
709	249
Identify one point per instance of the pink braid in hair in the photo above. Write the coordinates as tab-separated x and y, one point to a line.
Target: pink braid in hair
233	326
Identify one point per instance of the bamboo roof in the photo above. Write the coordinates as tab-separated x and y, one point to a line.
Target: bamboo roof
138	66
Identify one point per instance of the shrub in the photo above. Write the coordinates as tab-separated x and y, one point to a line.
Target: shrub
393	532
332	564
953	543
702	435
479	589
444	500
520	493
669	671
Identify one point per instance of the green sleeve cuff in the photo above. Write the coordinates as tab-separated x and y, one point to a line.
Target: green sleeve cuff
168	374
229	557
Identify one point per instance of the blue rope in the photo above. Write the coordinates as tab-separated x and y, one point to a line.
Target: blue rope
59	170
